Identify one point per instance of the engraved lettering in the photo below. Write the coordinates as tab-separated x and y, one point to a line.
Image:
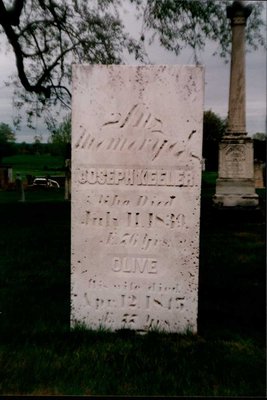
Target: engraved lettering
91	176
112	200
137	116
90	144
134	265
79	140
128	301
152	177
142	241
145	200
129	319
116	266
135	183
134	220
86	141
83	178
118	176
129	177
103	220
141	177
181	177
159	150
101	177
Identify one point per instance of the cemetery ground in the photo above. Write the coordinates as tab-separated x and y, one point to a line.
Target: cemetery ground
39	355
35	165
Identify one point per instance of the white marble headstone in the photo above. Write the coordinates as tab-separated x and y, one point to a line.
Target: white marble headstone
136	175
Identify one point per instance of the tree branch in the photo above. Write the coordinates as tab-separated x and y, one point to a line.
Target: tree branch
34	23
12	15
13	40
39	87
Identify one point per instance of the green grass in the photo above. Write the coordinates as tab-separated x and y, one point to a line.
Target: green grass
36	165
33	195
209	178
104	363
39	355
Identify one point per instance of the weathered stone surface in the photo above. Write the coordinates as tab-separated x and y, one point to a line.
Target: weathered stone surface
236	158
238	14
136	174
235	186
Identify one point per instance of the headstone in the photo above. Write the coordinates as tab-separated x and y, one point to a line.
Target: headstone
259	172
235	185
136	175
67	195
6	176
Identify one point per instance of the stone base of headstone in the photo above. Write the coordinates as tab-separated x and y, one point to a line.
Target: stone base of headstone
235	185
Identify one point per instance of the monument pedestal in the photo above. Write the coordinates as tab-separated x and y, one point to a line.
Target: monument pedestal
235	185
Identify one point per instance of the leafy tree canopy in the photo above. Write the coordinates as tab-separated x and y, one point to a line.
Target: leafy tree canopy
62	133
182	23
213	129
213	126
47	36
259	136
7	140
6	134
60	137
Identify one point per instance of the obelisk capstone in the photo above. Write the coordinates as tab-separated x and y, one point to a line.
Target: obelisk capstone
136	176
235	185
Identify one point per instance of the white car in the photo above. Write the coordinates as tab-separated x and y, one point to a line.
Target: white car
45	182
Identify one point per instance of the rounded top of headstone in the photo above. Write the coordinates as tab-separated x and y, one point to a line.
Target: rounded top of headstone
238	12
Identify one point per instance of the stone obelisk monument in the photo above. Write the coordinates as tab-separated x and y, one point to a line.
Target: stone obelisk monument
235	184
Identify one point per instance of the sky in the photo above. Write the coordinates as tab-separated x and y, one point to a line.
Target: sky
217	74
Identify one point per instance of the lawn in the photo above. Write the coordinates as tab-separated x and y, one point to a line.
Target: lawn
36	165
39	355
32	195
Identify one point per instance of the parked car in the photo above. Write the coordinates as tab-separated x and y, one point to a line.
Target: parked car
46	182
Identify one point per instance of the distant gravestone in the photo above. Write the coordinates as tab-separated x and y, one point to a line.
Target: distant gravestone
259	170
67	179
136	174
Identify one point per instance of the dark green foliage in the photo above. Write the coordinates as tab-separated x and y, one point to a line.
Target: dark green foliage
214	126
259	150
6	133
60	137
39	355
7	140
260	136
213	130
30	148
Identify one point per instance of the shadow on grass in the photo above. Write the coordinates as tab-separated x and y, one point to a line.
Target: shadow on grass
40	355
35	267
232	279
